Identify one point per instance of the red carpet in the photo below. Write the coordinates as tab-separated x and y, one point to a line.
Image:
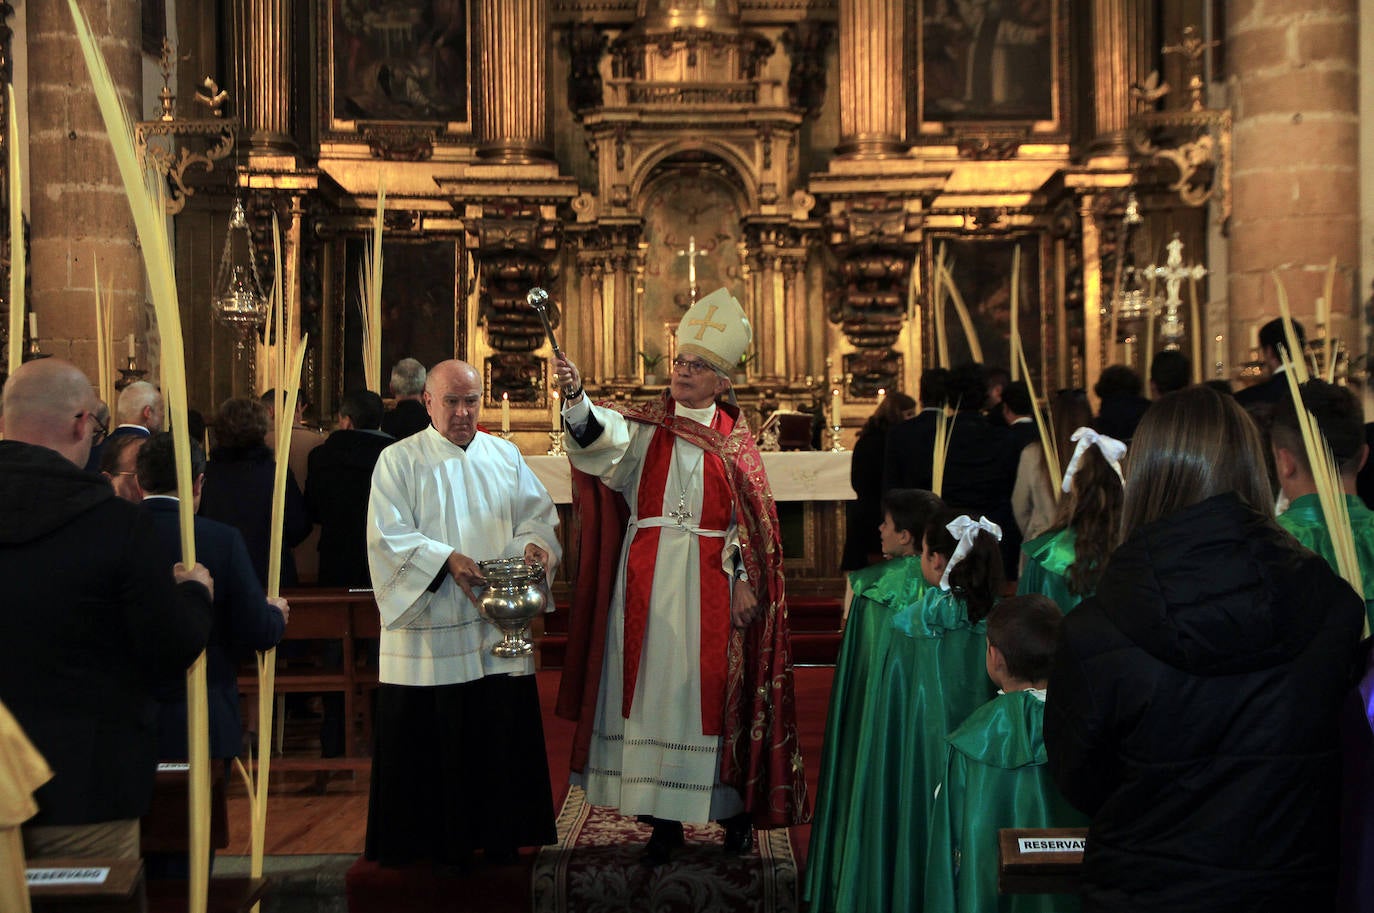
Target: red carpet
415	889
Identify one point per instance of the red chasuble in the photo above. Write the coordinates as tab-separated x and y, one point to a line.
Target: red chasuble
751	682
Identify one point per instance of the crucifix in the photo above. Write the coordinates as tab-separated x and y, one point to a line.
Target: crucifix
691	253
1174	272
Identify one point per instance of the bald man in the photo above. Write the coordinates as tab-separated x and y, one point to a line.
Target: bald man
91	619
459	762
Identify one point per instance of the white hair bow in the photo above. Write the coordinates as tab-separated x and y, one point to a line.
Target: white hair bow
966	529
1111	449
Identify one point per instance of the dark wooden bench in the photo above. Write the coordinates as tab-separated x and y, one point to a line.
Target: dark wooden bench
166	829
327	614
121	891
1040	860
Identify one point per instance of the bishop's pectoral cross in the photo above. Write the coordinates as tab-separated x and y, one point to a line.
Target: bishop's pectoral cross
681	514
691	253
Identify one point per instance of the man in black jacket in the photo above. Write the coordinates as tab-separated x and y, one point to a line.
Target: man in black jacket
92	619
910	445
245	620
338	485
408	386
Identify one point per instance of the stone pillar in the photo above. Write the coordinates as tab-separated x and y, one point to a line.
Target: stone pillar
1123	44
512	116
263	36
873	77
1294	94
78	211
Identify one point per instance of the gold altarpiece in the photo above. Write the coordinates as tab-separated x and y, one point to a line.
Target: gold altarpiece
814	156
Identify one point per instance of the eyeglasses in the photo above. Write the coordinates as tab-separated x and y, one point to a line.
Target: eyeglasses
692	366
101	431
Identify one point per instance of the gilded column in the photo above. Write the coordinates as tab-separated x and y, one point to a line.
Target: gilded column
263	38
512	117
1296	192
77	209
1092	291
1123	42
873	75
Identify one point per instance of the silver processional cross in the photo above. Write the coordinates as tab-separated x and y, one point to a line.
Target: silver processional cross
1173	272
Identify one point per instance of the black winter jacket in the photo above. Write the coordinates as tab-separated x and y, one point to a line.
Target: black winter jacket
337	489
91	620
1193	715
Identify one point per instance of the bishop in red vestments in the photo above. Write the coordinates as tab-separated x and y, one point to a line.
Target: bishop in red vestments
680	667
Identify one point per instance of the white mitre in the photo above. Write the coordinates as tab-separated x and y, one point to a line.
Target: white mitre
715	329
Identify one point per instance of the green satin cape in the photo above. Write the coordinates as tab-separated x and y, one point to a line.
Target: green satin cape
1305	521
1048	558
932	675
880	591
996	777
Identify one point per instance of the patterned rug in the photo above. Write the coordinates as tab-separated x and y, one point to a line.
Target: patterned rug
595	868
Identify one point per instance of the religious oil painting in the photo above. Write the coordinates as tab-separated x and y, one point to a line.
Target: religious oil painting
419	288
982	272
398	60
691	231
986	61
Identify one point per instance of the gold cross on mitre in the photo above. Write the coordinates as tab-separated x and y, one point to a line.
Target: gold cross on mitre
706	323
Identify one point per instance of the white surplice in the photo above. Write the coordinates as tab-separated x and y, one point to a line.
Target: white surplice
430	498
657	762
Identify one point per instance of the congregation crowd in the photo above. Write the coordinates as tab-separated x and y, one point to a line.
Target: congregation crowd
1131	622
1178	670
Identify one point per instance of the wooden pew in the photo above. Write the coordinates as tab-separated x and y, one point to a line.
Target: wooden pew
121	890
166	829
1040	860
328	614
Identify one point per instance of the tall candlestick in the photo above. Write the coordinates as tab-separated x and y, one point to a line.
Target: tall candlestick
131	346
33	325
555	416
505	413
835	407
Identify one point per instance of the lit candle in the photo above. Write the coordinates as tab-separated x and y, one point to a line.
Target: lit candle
555	416
835	407
130	339
505	413
33	324
882	395
1129	345
1219	354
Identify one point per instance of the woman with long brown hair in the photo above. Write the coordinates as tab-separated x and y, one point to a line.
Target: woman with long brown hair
1066	562
1194	703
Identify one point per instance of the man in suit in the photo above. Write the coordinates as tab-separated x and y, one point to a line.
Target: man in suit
1261	397
911	444
338	485
408	386
244	619
92	615
336	495
140	410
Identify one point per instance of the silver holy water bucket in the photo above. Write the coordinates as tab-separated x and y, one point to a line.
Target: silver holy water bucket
514	595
